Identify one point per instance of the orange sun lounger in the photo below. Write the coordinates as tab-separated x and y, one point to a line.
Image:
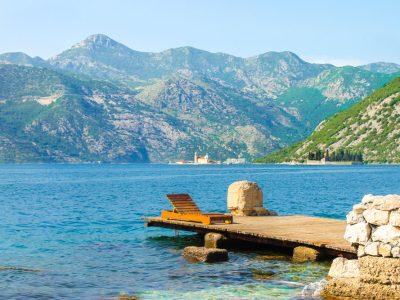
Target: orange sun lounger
186	210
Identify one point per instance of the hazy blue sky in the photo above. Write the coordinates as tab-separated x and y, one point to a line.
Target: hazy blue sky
340	32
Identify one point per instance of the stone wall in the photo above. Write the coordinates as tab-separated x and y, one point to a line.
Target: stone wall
369	277
373	226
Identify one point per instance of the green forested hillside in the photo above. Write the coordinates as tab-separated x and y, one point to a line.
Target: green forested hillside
49	116
371	127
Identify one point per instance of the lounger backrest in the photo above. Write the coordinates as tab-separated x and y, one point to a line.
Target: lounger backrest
183	204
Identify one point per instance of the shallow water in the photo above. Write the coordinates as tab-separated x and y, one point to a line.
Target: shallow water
76	231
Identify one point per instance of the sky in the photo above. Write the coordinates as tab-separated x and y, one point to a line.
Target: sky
340	32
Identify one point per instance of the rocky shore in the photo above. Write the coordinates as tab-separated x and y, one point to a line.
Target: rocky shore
373	228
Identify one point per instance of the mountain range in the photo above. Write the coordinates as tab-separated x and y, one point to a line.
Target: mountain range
370	127
102	101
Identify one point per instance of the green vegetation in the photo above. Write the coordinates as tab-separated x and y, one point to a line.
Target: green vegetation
370	127
337	155
102	101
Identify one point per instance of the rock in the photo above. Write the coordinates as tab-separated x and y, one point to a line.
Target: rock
385	250
358	233
215	240
353	288
387	203
368	199
302	254
359	208
272	213
394	218
396	252
202	254
387	234
376	217
372	249
244	198
361	251
382	270
354	218
344	268
379	278
263	274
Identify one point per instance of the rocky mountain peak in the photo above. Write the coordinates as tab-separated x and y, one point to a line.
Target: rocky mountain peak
97	41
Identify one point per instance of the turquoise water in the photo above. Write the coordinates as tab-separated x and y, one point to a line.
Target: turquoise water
76	231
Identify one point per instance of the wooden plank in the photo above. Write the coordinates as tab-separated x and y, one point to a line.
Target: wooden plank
286	231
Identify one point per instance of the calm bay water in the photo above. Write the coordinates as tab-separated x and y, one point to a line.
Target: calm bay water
79	228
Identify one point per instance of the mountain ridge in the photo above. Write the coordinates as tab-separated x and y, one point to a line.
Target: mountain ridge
233	106
370	127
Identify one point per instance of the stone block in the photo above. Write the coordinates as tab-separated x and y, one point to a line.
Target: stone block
353	288
368	199
372	248
215	240
376	217
202	254
384	250
382	270
344	268
359	208
361	251
387	202
354	218
303	254
396	252
387	234
358	233
394	218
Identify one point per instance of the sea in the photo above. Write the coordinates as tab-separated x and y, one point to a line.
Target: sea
77	231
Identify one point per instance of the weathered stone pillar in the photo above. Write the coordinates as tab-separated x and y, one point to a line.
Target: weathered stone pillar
245	198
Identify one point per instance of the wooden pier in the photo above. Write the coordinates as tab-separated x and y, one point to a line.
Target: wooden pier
284	231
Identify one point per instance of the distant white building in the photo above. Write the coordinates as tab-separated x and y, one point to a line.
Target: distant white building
235	161
204	160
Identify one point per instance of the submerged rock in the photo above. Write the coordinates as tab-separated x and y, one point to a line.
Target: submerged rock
273	257
263	274
127	297
202	254
20	269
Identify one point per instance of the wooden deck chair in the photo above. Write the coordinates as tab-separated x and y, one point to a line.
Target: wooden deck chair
185	209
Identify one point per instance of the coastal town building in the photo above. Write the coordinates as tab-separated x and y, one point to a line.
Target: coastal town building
202	160
235	161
